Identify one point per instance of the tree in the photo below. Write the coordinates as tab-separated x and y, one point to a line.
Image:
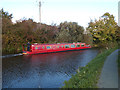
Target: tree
118	34
104	29
6	21
70	32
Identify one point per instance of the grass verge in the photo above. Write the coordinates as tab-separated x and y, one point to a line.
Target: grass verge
87	77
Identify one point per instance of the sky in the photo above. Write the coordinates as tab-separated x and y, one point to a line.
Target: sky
57	11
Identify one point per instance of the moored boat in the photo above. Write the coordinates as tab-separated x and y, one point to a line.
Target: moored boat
47	48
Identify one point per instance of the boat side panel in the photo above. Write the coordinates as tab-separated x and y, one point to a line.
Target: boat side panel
54	48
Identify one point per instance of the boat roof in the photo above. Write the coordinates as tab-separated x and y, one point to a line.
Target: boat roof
57	43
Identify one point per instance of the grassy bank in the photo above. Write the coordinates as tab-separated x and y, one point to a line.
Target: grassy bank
87	77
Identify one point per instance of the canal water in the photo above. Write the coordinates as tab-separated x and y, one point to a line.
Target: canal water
43	70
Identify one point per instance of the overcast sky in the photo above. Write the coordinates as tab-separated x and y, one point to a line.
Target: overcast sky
57	11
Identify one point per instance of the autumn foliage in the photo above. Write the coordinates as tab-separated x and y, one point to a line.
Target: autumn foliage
99	32
14	35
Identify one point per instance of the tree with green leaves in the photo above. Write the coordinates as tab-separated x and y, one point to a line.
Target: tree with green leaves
70	32
118	34
6	21
103	30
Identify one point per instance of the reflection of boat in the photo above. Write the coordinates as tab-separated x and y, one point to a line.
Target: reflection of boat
46	48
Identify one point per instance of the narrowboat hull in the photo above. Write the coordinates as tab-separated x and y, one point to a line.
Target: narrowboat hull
53	50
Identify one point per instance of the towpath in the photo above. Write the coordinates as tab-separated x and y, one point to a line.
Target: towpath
109	74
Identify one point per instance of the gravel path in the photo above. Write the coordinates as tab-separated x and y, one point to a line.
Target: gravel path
109	74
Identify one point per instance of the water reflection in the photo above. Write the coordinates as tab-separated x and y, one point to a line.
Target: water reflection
43	70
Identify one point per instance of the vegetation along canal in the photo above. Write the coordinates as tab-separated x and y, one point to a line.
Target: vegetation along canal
43	70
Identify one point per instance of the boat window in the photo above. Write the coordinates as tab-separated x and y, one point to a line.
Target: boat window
67	46
36	48
72	46
43	47
82	45
48	47
62	46
57	46
78	45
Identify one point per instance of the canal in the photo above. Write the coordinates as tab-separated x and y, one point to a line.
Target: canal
43	70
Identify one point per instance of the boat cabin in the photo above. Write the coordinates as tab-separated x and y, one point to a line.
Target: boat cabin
43	48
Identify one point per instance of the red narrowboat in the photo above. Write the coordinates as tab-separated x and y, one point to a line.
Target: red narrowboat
47	48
